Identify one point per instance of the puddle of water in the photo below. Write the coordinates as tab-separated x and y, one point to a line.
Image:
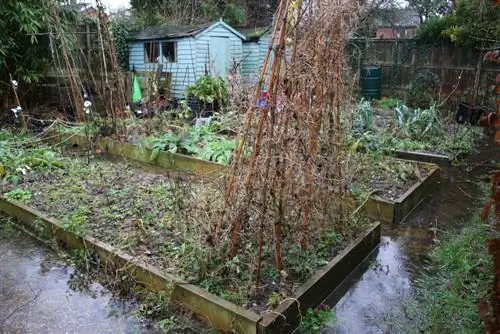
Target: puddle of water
35	296
384	286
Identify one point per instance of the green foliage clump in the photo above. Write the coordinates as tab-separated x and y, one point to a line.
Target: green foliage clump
423	83
121	30
418	123
433	30
19	156
200	142
314	320
23	51
77	222
209	89
19	195
419	129
389	103
471	24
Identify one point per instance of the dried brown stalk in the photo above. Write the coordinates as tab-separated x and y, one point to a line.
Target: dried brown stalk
292	181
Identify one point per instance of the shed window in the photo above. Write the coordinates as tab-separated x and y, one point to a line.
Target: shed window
153	50
168	50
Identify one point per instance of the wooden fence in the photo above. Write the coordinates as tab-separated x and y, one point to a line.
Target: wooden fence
449	72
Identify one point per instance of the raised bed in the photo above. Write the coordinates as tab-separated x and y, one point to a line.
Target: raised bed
218	312
442	148
172	161
441	160
397	210
390	211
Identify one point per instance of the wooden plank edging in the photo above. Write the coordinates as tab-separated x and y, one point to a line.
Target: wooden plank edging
172	161
438	159
215	310
287	316
397	211
219	313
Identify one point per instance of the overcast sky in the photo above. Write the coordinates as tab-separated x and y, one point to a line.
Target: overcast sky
115	4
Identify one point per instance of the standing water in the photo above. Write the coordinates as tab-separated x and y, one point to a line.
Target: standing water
38	294
383	287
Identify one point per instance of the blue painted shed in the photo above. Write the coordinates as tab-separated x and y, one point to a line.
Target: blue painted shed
255	47
186	53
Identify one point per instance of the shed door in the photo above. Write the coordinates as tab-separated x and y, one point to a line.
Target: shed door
219	55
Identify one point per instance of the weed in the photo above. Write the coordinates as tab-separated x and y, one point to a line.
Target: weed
303	263
327	242
274	300
21	155
313	320
19	195
77	223
7	228
40	229
389	103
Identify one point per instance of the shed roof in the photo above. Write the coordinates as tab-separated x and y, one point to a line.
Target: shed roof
165	31
254	34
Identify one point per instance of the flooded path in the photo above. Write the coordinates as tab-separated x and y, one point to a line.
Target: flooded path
38	294
383	286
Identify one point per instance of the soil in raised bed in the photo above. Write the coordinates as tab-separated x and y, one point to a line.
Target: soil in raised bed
165	221
384	176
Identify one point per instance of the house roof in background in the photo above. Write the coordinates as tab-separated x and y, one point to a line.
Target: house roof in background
397	17
165	31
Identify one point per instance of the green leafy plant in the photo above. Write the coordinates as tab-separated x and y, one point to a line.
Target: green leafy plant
77	222
200	142
209	89
17	158
364	111
418	123
219	150
389	103
327	241
19	195
314	319
121	29
471	24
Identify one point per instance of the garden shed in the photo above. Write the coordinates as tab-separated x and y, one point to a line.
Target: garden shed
255	49
177	56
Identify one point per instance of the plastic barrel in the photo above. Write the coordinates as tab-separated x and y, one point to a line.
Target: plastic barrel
370	82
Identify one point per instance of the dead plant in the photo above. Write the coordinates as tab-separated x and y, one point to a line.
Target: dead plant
285	180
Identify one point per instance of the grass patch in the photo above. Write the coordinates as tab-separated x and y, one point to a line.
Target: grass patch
389	103
458	276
